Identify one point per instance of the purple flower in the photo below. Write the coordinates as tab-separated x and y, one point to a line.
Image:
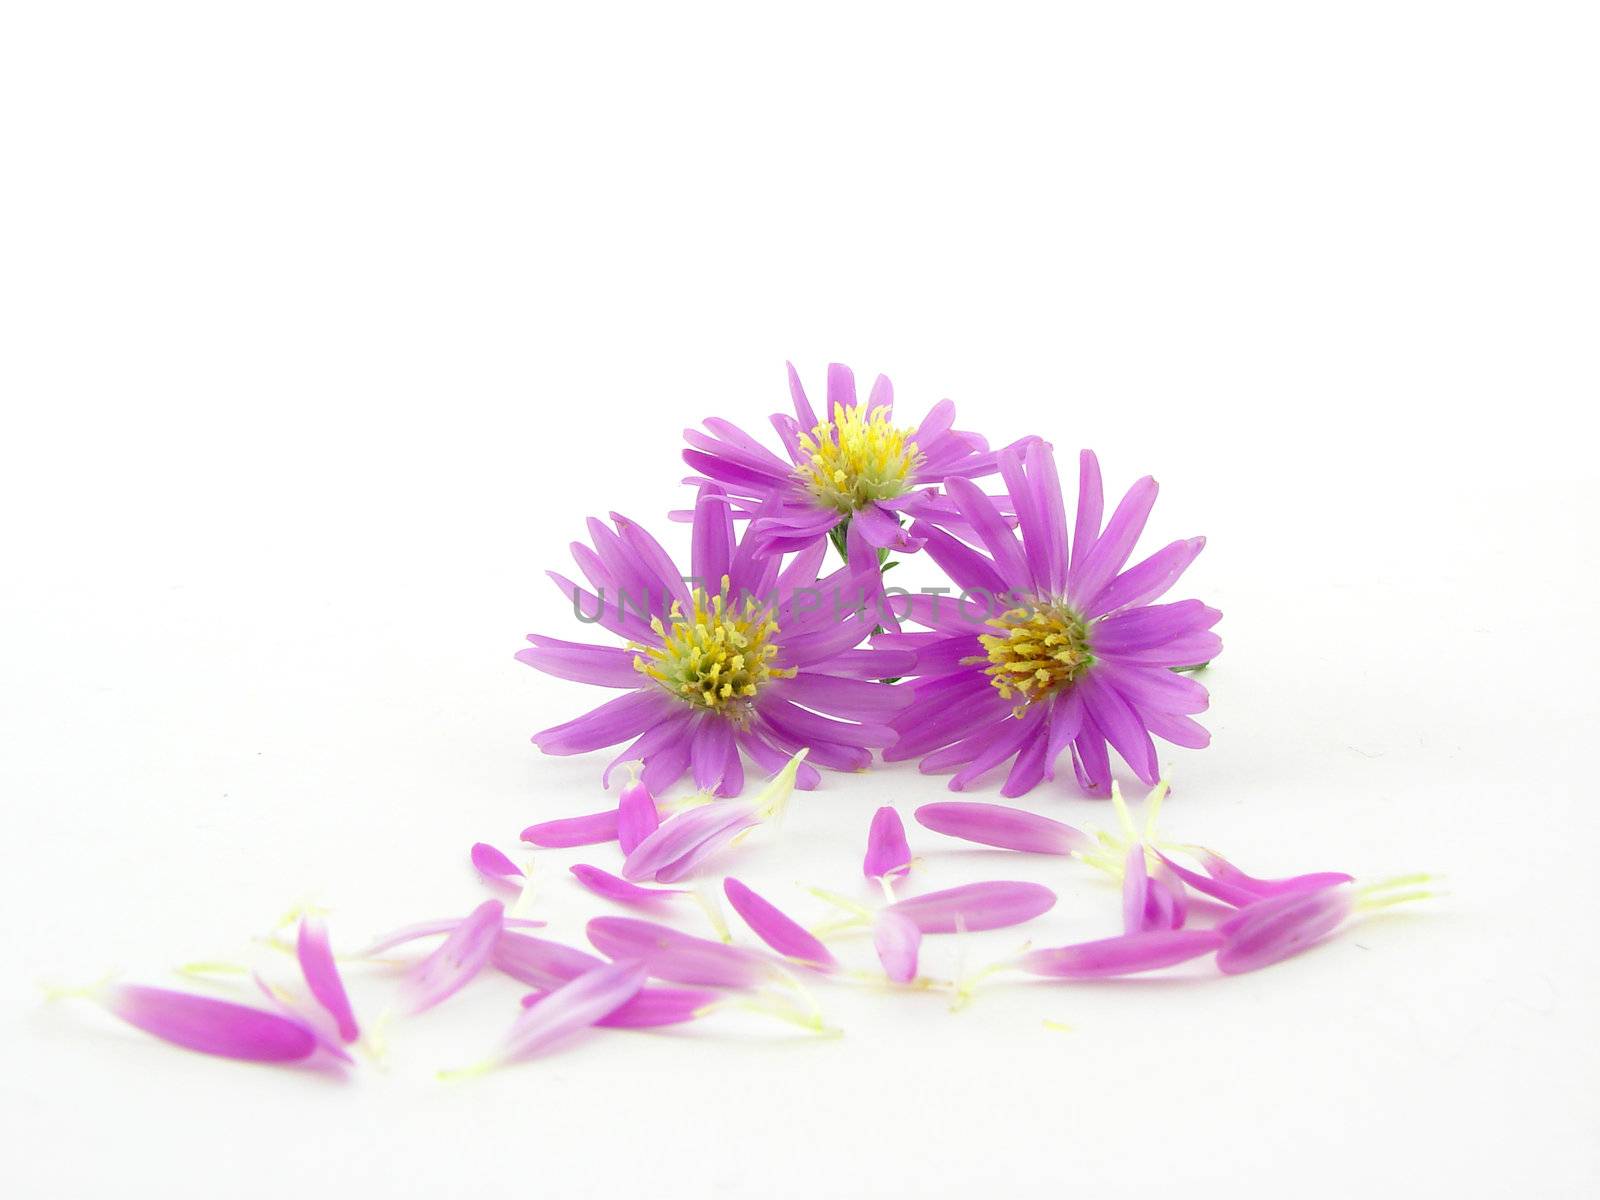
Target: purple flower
751	661
853	466
1049	649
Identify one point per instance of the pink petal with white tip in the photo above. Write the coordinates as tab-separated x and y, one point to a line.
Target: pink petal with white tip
572	1008
897	940
777	930
976	906
322	976
456	961
651	1007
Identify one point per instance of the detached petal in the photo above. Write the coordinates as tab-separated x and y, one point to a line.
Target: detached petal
650	1008
589	830
609	886
573	1007
677	957
539	962
1126	955
976	906
780	932
685	840
897	940
637	817
457	960
210	1026
322	976
1277	927
998	825
1221	869
494	864
888	853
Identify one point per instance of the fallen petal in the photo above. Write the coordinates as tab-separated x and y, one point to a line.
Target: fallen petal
538	961
210	1026
494	864
637	816
1128	954
888	853
650	1007
611	887
590	830
999	825
422	929
777	930
572	1008
456	961
687	839
1278	927
322	976
897	941
976	906
1224	871
677	957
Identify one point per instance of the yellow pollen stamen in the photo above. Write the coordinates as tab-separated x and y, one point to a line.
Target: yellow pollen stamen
718	656
858	457
1034	652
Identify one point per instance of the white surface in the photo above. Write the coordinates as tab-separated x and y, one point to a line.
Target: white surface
326	327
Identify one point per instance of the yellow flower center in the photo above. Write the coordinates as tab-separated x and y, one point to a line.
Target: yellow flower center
856	458
1034	652
718	657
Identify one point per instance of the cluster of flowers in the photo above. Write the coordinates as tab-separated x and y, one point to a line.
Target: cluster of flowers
650	974
1047	643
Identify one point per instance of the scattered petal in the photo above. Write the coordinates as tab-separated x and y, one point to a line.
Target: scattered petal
211	1026
976	906
678	957
888	853
456	961
1128	954
572	1008
322	976
611	887
780	932
494	864
897	940
592	829
637	817
998	825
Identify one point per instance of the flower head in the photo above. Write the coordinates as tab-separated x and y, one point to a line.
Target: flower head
740	658
856	465
1054	646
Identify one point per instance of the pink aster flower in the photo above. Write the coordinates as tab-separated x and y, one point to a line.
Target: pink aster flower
741	657
852	467
1054	645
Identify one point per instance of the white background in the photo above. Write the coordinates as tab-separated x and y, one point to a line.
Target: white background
325	326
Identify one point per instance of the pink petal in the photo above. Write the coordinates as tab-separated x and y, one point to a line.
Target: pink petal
1135	890
589	830
609	886
422	929
650	1008
320	1024
1277	927
683	841
1125	955
780	932
539	962
897	940
677	957
637	817
210	1026
572	1008
457	960
997	825
322	976
976	906
1221	869
888	853
494	864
